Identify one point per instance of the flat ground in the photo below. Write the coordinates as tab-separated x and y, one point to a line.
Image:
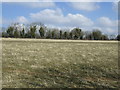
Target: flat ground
46	63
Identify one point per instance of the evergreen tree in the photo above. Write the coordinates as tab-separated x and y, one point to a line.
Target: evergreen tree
16	33
65	35
70	35
32	31
42	32
60	34
10	31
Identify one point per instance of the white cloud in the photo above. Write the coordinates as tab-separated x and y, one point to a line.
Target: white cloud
39	4
21	0
107	25
107	22
35	4
93	0
21	19
56	17
86	6
59	0
115	6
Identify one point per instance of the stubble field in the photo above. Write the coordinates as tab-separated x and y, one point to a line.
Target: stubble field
35	63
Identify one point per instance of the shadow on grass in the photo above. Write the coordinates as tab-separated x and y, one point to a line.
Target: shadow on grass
77	76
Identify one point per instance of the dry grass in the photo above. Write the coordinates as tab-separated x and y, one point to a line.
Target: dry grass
56	40
59	63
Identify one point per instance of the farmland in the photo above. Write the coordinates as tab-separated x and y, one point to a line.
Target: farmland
46	63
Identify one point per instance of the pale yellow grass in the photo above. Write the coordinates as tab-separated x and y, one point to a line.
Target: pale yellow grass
56	40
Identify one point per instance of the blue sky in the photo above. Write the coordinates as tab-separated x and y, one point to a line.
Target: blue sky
87	15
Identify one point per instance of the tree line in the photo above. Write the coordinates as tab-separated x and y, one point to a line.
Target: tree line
32	31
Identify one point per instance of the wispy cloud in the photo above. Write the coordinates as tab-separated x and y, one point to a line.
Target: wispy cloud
107	25
86	6
59	0
107	22
21	19
38	4
20	0
115	6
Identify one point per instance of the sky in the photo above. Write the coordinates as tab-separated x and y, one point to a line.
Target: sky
64	15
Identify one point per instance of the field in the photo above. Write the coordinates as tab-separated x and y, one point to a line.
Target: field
36	63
